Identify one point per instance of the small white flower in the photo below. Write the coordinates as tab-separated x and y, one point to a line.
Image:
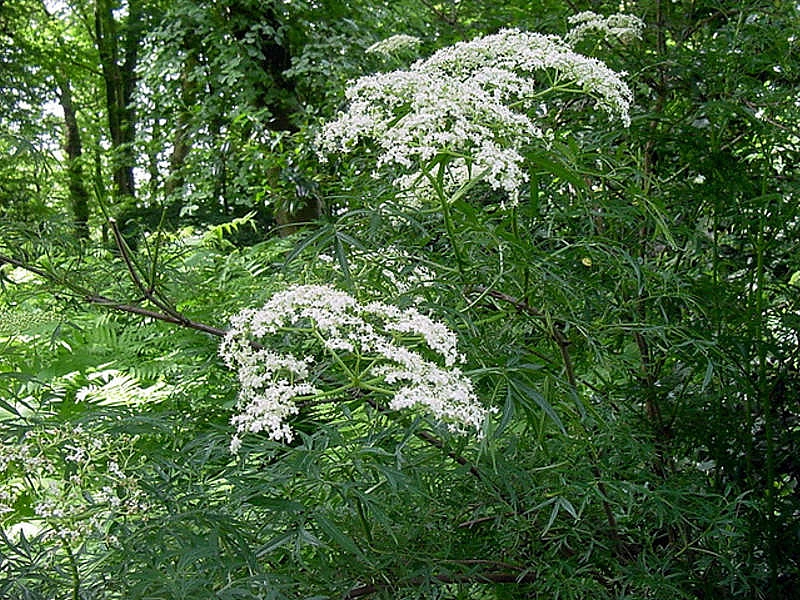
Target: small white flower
48	510
77	454
113	469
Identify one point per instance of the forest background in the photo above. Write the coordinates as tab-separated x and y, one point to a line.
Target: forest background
629	322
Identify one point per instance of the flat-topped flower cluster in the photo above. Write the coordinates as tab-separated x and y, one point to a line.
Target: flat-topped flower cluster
394	44
375	347
474	103
622	27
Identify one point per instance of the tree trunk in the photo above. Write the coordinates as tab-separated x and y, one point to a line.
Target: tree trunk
120	83
78	194
276	58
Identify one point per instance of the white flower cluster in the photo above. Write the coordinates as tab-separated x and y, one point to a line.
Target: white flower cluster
622	27
370	342
472	103
394	44
394	263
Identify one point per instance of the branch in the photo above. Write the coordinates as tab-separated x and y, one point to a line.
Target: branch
754	107
22	265
518	304
432	440
167	318
149	292
563	344
122	246
87	296
556	333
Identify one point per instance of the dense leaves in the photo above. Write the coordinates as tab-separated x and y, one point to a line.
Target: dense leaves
630	319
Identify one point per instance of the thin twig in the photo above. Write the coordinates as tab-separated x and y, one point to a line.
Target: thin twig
557	334
22	265
433	441
563	344
145	312
486	519
91	298
124	251
772	122
149	292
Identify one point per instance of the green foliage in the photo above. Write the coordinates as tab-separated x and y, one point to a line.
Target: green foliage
633	320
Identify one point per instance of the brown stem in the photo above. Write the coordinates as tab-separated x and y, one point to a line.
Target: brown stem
647	379
563	344
433	441
167	318
526	308
149	292
85	295
563	347
123	248
23	265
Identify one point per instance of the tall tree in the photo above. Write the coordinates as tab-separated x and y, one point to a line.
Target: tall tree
118	49
47	64
78	192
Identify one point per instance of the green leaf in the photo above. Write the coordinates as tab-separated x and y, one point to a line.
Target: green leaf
556	168
344	264
277	542
527	392
552	519
338	536
567	505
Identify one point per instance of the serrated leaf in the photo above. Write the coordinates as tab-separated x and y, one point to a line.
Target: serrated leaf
551	520
341	258
567	505
306	243
707	377
508	413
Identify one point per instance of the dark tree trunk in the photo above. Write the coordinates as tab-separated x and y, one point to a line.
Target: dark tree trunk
120	83
78	194
276	58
